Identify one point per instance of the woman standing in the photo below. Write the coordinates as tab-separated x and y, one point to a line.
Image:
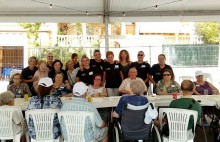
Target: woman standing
71	72
167	86
57	67
86	74
114	75
40	73
124	60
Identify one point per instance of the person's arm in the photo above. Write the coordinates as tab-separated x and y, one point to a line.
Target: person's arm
151	79
27	90
114	114
160	89
213	87
104	77
77	79
104	93
121	75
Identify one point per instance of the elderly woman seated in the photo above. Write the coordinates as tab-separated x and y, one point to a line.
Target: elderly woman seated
167	86
18	87
203	87
135	98
7	99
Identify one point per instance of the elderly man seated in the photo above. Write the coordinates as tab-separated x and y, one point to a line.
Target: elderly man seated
135	97
187	102
125	85
79	103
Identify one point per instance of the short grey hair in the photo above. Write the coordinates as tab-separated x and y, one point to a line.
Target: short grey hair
137	87
6	97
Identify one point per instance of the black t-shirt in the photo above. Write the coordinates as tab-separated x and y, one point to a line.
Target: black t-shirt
157	72
27	74
86	76
143	69
97	67
52	74
76	65
113	78
125	70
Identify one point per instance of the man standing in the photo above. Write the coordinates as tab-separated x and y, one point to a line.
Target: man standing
79	103
97	64
142	67
125	85
156	72
187	101
49	60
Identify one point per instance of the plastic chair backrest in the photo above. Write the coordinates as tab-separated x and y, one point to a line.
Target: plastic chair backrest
132	123
178	120
43	120
6	113
207	77
75	122
181	78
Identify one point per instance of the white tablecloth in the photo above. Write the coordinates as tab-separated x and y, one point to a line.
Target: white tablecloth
210	100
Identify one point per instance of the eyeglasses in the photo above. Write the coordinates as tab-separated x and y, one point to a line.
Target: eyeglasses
49	56
166	75
140	55
16	78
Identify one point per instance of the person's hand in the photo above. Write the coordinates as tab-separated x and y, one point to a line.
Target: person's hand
81	68
96	95
55	85
35	78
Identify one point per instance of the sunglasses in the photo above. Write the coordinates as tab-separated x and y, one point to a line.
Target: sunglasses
140	55
166	75
49	56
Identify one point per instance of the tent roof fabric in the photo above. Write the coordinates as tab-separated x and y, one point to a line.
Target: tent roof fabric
96	10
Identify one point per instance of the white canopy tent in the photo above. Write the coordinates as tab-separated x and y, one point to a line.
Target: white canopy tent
98	10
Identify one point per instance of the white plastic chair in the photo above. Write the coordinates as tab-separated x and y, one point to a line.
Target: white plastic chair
6	130
74	122
207	77
178	120
43	120
181	78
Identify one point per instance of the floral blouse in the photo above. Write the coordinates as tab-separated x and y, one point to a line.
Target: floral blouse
174	87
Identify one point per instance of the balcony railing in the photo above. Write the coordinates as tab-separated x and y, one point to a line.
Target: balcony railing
138	40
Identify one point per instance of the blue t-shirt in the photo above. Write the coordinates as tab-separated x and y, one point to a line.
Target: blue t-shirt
133	100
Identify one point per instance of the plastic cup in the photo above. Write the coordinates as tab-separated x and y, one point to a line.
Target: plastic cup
89	99
206	92
174	96
26	98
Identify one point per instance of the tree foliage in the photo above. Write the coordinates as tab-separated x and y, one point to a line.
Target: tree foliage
32	32
209	31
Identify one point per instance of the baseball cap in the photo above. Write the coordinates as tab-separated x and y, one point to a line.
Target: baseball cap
79	89
150	114
198	73
46	82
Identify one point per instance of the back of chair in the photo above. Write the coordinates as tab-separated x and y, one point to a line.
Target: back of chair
75	124
43	122
178	120
6	122
181	78
132	123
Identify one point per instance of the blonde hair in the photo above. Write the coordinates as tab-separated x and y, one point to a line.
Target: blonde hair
40	62
67	62
137	87
6	97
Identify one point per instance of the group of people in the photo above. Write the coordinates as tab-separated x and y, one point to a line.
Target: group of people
47	81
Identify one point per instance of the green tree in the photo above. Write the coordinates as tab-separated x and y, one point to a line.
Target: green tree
209	31
32	32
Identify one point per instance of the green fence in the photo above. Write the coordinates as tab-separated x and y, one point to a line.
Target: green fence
191	55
